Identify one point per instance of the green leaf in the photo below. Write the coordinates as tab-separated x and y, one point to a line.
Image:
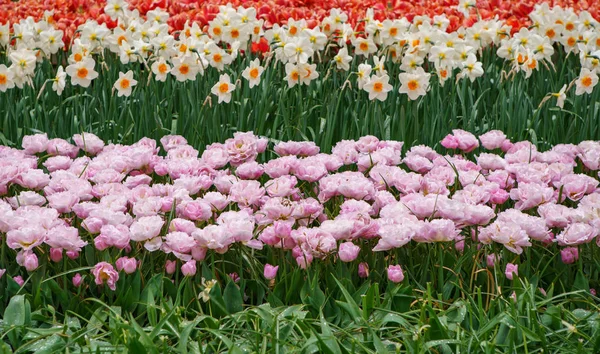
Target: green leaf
581	282
233	298
352	307
17	312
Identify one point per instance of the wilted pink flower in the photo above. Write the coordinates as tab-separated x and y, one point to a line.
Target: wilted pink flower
126	264
395	274
348	251
105	274
593	291
2	271
363	270
270	272
189	268
510	270
77	279
569	255
234	277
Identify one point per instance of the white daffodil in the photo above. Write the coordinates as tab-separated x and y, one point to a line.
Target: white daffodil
414	84
82	73
223	88
125	83
586	81
253	72
378	87
342	59
59	81
161	69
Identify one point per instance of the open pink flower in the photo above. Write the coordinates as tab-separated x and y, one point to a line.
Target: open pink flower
105	273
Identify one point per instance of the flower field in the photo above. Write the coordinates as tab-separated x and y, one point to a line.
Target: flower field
299	176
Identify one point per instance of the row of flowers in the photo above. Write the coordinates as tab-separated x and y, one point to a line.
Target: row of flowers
421	49
69	14
59	198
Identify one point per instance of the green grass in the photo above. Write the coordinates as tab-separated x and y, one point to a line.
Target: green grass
361	320
449	302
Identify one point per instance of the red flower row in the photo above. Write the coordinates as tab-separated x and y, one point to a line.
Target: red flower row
69	14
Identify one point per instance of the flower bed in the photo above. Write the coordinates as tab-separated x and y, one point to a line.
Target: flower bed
364	200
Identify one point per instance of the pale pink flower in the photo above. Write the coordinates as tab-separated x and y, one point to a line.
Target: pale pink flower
395	274
270	272
348	251
511	269
126	264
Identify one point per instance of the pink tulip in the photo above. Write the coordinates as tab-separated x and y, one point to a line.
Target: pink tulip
189	268
77	279
395	274
569	255
170	266
270	272
363	270
56	254
491	260
348	251
19	280
126	264
510	270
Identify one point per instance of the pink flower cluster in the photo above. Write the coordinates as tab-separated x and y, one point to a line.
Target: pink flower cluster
143	198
